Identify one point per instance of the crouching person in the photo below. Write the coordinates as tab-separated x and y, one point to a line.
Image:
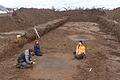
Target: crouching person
24	60
80	51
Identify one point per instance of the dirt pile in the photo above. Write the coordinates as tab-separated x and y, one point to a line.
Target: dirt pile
110	26
25	18
7	23
113	14
83	15
108	19
29	17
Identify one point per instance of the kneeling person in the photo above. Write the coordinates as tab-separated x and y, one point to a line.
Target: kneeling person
37	50
24	60
80	51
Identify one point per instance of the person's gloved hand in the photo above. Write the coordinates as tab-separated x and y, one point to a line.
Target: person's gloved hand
33	63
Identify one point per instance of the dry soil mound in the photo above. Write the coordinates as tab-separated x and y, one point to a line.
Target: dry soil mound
25	18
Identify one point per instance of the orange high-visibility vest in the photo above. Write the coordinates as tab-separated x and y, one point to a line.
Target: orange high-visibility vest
80	49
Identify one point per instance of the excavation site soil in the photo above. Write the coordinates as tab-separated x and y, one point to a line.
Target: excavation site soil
57	63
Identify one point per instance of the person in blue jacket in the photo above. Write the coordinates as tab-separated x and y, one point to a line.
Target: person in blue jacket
24	60
37	50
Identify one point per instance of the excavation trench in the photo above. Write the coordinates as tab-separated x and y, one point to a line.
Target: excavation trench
12	45
57	62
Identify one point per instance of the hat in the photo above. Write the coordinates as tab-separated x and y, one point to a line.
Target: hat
81	41
36	41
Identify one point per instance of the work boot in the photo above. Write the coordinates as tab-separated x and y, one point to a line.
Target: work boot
25	66
22	67
38	54
17	66
74	53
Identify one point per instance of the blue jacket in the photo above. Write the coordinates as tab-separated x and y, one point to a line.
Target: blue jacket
25	57
37	49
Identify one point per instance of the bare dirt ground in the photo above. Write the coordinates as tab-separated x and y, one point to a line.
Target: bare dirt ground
57	62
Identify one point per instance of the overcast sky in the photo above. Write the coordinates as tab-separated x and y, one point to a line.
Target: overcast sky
61	3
